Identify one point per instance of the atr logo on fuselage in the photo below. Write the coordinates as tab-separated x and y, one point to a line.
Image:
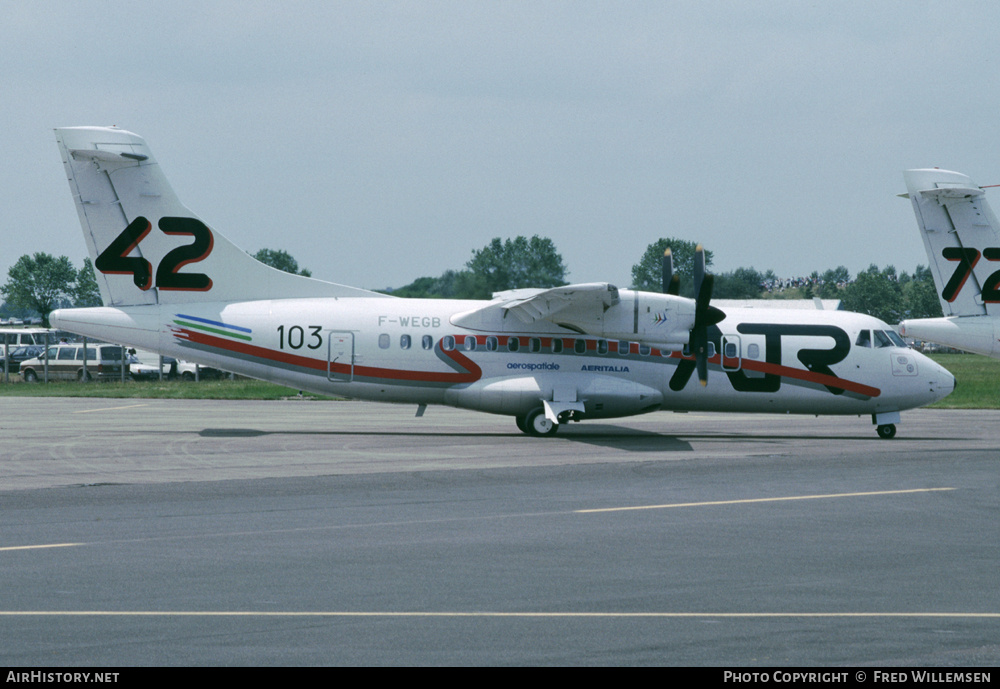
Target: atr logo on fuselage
817	361
115	260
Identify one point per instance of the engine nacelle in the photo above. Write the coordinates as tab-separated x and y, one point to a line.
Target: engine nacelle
662	320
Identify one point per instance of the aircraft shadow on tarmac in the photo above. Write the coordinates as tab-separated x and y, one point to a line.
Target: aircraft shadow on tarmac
626	439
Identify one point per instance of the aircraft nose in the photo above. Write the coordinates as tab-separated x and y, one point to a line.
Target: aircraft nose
940	381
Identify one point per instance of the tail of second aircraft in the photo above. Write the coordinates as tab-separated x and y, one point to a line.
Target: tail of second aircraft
147	248
962	238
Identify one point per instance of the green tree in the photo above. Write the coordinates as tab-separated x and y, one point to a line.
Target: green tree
876	293
86	291
40	283
833	282
742	283
647	273
282	260
518	262
920	296
451	285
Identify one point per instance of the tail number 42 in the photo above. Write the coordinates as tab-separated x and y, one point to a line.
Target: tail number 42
115	260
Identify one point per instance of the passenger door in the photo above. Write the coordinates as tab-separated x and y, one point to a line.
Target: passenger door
340	356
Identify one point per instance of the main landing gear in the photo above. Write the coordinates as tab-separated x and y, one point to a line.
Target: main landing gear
535	423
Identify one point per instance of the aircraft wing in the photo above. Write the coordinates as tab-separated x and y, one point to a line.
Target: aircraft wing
532	305
593	308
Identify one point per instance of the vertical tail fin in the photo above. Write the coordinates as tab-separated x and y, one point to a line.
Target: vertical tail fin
962	238
146	246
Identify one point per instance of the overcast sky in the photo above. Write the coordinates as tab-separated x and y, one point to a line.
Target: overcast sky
380	142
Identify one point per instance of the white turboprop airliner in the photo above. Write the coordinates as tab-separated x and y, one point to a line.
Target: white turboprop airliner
544	356
962	238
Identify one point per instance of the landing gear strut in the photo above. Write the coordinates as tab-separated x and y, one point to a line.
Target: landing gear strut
887	431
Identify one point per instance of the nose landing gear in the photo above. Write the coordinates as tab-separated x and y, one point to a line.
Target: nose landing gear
887	431
885	423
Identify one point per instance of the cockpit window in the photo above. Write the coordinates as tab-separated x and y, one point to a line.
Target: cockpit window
896	339
881	339
864	339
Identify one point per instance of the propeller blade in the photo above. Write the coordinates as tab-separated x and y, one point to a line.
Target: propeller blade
671	283
705	314
699	268
682	375
702	298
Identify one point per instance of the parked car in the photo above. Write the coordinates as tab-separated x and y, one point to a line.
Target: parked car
104	361
17	337
19	354
189	371
145	366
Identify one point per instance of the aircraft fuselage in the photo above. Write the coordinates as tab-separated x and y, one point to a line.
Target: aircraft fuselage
410	350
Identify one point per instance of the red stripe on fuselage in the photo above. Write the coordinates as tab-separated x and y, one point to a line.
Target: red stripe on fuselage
797	373
472	371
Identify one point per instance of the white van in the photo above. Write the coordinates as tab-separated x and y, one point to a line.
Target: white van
104	362
17	337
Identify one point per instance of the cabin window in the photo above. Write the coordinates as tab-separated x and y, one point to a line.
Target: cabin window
711	349
513	344
470	343
427	342
730	350
602	346
447	343
492	344
580	346
623	348
383	341
643	349
404	341
753	351
534	345
557	345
